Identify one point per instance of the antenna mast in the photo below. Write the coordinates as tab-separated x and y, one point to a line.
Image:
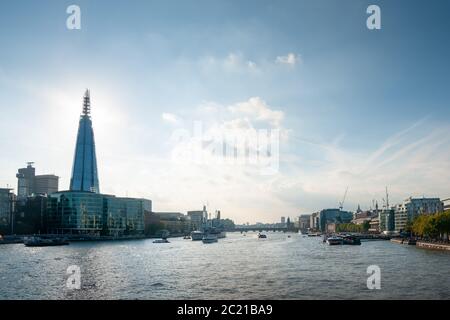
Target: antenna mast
387	199
87	103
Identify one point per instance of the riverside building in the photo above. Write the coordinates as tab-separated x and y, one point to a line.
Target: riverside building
28	183
412	207
6	208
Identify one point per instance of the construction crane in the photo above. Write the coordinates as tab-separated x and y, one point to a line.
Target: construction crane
341	204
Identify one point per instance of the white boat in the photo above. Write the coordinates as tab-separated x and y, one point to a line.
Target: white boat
332	241
209	238
196	235
316	234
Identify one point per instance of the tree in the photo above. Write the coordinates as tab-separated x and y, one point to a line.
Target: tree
366	226
433	226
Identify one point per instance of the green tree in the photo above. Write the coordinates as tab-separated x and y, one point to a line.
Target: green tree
433	226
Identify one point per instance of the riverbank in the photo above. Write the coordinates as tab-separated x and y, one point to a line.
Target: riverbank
422	244
433	246
83	238
411	242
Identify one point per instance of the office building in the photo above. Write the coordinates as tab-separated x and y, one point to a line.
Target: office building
170	215
412	207
328	216
196	219
6	209
386	220
25	181
83	212
304	222
46	184
28	183
31	215
446	204
314	221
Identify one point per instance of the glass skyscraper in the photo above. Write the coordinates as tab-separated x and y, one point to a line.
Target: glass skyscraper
84	171
84	210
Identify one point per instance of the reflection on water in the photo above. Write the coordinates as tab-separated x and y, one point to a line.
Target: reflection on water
236	267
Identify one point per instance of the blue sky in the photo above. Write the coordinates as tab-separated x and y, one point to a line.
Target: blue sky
359	108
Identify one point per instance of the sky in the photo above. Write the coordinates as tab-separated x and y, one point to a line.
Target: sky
348	106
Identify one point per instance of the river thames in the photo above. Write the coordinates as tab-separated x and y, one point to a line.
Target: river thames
237	267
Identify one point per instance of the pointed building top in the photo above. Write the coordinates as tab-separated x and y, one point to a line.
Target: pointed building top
87	103
84	170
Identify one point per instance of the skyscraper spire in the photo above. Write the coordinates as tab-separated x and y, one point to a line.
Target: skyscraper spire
87	103
84	170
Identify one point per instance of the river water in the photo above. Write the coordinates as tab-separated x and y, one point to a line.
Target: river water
237	267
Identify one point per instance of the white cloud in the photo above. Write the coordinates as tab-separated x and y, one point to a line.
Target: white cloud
170	118
289	59
258	110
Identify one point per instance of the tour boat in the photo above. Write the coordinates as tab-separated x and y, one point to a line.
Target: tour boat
209	238
196	235
332	241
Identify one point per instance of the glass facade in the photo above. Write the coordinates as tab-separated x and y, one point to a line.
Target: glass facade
6	198
84	171
96	214
412	207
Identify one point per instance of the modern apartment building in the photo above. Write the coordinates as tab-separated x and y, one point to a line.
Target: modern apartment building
412	207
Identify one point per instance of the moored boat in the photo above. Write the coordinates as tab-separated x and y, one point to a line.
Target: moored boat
314	234
161	241
44	242
351	240
209	238
196	235
332	241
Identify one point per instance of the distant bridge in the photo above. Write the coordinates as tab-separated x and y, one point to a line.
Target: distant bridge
265	229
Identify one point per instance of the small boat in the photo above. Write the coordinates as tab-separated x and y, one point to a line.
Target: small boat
332	241
411	242
161	241
196	235
187	237
209	238
351	240
262	236
313	234
44	242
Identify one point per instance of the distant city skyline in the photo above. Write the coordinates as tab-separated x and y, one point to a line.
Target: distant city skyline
355	107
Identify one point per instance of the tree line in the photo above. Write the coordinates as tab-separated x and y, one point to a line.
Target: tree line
432	226
351	227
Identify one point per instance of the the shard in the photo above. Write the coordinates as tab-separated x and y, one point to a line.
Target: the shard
84	170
